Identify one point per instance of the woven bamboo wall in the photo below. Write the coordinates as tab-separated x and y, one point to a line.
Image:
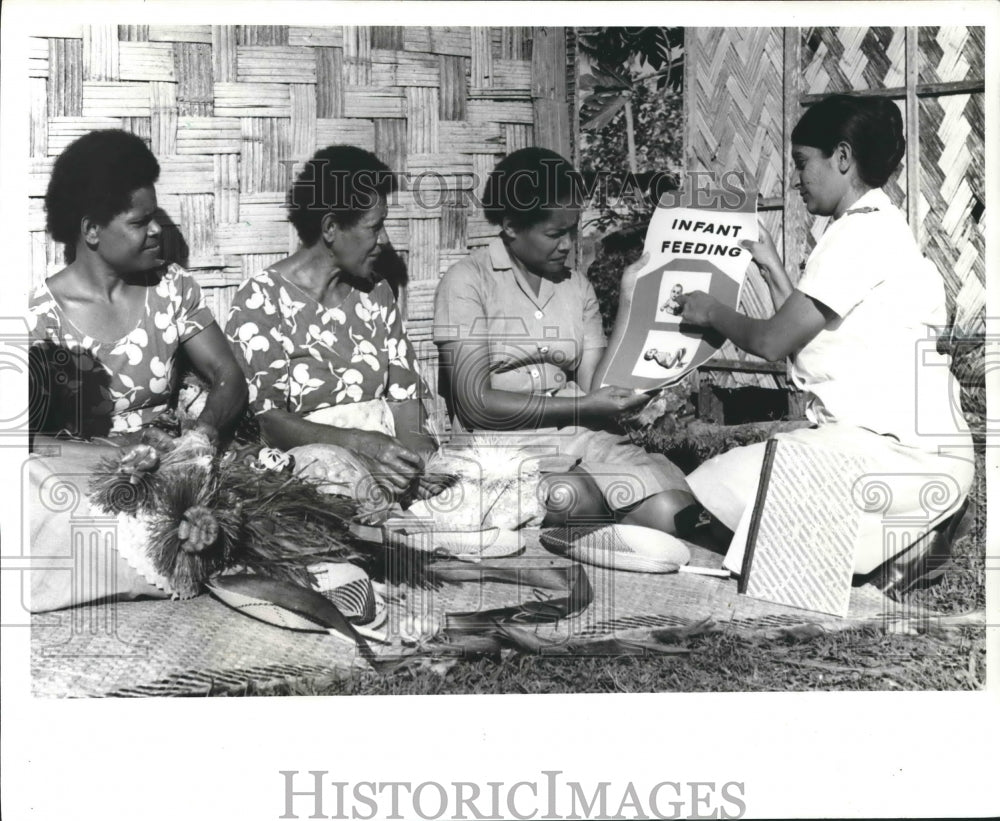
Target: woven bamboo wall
743	92
230	112
952	196
733	103
847	59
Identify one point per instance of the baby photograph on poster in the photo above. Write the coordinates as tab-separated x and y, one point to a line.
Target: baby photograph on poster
672	285
690	248
663	355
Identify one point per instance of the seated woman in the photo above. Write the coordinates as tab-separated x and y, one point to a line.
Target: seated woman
520	341
858	330
105	335
321	341
107	329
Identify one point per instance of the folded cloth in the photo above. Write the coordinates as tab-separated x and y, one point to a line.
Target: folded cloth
374	415
78	554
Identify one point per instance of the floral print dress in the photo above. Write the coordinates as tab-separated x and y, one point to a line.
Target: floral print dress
301	356
88	387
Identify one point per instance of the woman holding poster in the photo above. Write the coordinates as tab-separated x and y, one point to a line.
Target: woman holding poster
859	332
520	339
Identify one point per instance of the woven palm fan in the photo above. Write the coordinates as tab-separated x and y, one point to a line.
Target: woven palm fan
491	492
497	484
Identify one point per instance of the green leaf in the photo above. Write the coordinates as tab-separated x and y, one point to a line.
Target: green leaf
605	114
610	78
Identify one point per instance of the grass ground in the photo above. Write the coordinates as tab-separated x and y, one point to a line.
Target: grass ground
868	658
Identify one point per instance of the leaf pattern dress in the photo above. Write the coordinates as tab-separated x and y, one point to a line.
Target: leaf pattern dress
301	356
88	387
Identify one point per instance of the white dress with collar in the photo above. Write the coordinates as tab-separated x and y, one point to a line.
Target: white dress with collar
876	384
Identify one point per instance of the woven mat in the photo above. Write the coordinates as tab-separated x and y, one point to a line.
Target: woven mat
626	601
201	646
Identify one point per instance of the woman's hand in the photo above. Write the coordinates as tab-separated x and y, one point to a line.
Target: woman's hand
764	252
609	402
772	269
593	372
388	460
696	306
138	461
411	426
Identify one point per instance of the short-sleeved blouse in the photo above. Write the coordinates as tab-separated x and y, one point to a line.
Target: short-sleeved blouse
301	356
876	366
91	387
535	341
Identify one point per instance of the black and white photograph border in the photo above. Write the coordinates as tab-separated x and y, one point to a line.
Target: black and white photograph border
692	708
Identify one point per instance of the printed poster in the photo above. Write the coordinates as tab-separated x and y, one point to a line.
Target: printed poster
691	248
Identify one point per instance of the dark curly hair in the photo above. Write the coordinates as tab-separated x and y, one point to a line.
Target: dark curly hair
529	183
95	177
342	180
873	127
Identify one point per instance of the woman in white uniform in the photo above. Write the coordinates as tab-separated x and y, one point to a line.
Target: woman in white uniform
859	331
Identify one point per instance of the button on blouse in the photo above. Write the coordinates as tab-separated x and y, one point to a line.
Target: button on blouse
535	341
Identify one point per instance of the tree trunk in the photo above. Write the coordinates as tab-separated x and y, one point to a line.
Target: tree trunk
630	135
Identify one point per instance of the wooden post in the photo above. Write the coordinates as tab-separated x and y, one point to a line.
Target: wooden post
710	408
687	90
793	221
912	55
548	89
573	94
797	401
